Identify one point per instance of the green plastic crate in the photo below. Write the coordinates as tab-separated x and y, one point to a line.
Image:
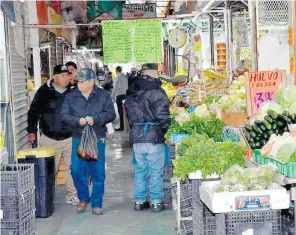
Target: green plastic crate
287	169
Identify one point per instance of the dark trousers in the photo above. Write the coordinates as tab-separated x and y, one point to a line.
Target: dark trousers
119	100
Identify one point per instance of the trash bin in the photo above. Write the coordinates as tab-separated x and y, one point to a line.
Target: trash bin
44	165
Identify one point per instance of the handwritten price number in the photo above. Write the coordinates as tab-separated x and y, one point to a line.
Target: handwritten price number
261	97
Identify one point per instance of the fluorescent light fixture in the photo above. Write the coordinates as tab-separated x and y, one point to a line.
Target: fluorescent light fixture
208	5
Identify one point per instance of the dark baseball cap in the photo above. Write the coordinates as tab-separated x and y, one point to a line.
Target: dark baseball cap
60	69
149	66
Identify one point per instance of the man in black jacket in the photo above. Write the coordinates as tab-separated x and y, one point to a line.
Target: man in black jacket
45	110
148	112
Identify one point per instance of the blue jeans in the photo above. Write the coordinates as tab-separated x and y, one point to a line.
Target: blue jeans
149	163
80	170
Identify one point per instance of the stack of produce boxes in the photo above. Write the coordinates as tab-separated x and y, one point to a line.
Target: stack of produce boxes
18	199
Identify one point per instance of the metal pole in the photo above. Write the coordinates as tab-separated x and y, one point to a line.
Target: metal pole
253	22
212	42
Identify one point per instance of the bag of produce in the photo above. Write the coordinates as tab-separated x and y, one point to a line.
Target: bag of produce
88	147
232	176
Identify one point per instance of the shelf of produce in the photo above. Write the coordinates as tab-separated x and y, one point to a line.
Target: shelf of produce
279	178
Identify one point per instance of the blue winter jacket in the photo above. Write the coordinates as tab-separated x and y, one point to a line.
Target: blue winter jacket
99	106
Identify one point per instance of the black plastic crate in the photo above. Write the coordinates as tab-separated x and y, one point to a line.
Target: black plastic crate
18	207
185	197
167	172
16	179
25	226
172	152
45	184
262	222
186	227
204	221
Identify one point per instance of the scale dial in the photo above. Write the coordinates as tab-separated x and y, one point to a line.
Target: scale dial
177	38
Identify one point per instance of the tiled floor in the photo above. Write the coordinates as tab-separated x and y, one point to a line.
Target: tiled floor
119	217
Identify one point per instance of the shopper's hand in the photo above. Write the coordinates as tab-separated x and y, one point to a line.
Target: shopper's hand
90	121
32	137
82	121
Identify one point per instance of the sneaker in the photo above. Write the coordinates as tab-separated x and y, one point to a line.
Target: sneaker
157	207
97	211
74	201
139	206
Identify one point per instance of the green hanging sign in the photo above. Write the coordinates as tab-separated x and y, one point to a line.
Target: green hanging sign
97	8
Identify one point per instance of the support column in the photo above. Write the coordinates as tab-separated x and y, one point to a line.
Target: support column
34	42
212	40
254	38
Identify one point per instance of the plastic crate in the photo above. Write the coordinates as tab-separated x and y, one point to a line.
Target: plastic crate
16	179
185	198
177	138
172	152
167	172
25	226
204	221
187	227
261	222
287	169
18	207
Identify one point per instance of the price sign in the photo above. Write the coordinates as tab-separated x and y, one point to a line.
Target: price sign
262	96
261	87
251	203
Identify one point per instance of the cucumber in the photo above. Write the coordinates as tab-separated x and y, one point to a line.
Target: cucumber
266	124
257	138
280	123
272	114
252	134
270	132
274	126
252	145
286	113
286	118
257	129
248	127
257	144
268	119
276	132
286	129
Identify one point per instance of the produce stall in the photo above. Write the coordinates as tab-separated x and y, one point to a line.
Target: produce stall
236	166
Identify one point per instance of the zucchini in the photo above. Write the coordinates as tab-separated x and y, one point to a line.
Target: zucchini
266	124
268	119
272	114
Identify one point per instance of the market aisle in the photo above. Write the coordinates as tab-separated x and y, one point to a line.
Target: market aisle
119	217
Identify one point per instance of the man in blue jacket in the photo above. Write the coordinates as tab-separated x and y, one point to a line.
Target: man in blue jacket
148	112
93	106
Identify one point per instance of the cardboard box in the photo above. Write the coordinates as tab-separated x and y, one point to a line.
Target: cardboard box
235	118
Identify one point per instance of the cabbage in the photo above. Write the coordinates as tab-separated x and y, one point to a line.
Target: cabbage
286	96
267	171
269	105
222	188
232	175
255	187
238	188
250	173
264	182
285	152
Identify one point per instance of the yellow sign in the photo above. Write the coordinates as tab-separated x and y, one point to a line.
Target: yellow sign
292	64
128	41
197	46
245	53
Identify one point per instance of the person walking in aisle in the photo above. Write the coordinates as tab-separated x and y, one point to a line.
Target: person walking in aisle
132	76
45	110
119	93
90	105
148	112
72	70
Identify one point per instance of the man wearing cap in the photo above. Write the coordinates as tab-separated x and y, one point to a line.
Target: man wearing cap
148	112
92	106
45	110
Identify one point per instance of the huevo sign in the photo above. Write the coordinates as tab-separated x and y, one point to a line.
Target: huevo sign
261	87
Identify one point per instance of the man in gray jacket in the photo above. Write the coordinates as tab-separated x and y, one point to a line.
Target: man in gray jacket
119	93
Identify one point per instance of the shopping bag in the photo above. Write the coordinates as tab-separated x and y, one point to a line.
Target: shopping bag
116	122
88	147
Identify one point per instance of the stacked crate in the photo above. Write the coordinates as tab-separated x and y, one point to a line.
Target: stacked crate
17	199
167	175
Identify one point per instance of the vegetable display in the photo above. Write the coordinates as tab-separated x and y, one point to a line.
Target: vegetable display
202	153
183	122
259	133
237	179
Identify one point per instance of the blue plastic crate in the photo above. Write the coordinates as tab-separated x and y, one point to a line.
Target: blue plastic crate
177	138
